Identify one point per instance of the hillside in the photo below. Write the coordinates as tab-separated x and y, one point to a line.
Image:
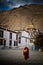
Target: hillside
22	17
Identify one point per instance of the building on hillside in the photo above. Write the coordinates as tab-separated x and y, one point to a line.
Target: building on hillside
12	39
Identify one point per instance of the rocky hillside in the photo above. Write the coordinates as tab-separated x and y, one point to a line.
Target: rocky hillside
23	17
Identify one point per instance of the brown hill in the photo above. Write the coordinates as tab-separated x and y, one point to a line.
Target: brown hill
23	17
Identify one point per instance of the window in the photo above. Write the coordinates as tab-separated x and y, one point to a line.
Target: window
19	39
10	42
15	43
1	42
10	35
4	42
1	33
16	36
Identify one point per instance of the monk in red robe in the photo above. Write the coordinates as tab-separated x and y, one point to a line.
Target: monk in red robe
26	53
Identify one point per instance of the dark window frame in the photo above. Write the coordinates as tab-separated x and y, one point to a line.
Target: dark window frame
19	40
1	41
1	33
10	43
10	35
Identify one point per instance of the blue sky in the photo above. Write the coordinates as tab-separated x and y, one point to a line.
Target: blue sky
10	4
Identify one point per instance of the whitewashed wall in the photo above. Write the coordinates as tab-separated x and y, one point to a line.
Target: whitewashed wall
24	42
13	38
6	36
25	34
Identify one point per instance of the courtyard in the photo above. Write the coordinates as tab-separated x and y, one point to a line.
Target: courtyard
15	56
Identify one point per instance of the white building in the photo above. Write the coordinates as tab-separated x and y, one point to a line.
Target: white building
14	39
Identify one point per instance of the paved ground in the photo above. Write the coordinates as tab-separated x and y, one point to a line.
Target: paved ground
15	56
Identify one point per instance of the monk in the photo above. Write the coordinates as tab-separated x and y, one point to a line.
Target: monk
26	53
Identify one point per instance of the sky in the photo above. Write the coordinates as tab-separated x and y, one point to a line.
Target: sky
10	4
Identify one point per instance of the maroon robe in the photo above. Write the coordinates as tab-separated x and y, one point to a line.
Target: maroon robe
26	53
